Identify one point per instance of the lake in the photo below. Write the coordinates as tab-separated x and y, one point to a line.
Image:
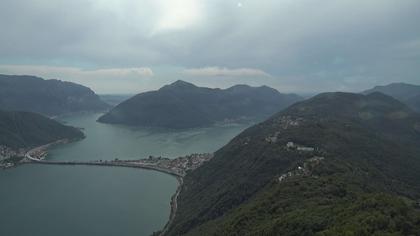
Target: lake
87	200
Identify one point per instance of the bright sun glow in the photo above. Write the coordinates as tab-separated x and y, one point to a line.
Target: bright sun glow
178	14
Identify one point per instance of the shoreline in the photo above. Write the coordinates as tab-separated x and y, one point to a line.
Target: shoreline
176	167
42	150
174	197
24	155
174	207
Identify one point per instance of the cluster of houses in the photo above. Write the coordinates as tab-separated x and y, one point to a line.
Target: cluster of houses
273	139
178	165
302	170
293	146
290	145
6	154
287	121
284	122
39	153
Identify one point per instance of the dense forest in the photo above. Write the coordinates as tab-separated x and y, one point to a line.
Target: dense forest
406	93
360	178
26	130
48	97
184	105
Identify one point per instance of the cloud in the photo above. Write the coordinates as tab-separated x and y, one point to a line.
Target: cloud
225	72
119	72
321	43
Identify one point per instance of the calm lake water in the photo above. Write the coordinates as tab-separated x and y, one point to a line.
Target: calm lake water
86	200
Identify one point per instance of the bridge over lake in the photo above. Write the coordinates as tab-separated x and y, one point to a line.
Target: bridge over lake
119	163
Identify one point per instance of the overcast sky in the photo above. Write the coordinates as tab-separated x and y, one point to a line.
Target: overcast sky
129	46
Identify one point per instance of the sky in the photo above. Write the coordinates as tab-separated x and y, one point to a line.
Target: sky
131	46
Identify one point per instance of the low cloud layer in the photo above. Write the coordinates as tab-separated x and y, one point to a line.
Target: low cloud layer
51	71
225	72
303	45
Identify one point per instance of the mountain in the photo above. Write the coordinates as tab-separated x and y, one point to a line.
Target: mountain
335	164
48	97
184	105
406	93
414	102
26	130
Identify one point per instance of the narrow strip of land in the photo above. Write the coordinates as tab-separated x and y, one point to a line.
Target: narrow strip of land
120	163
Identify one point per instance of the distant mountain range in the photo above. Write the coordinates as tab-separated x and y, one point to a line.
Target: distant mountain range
184	105
335	164
114	99
407	93
27	130
48	97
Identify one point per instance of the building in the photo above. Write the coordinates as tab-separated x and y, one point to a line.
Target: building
306	149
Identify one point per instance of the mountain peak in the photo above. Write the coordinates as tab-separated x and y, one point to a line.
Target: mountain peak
239	87
181	83
178	85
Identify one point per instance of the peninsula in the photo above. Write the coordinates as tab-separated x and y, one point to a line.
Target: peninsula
22	131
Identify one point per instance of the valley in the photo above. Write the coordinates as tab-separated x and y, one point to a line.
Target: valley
209	118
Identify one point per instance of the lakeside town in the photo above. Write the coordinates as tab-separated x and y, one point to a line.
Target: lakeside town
10	157
180	165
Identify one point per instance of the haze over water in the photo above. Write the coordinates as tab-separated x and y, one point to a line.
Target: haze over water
85	200
108	142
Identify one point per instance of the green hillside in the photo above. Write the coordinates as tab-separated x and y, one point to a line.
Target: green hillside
48	97
26	130
362	178
406	93
184	105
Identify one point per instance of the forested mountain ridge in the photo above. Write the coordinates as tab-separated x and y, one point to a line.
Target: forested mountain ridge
406	93
48	97
361	177
27	130
184	105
